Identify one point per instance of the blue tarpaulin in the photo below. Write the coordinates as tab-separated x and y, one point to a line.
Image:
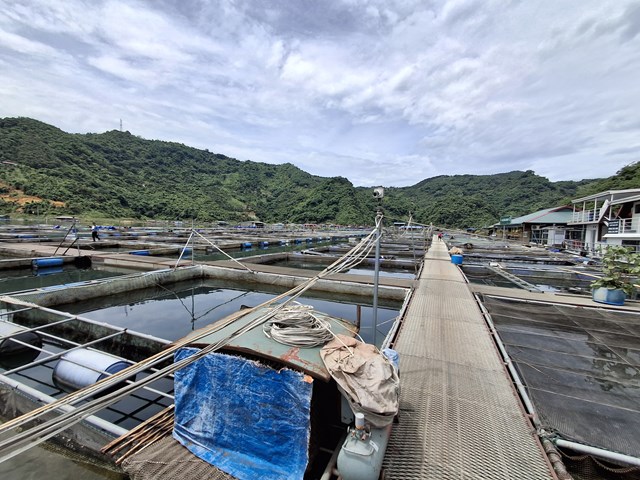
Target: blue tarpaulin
248	420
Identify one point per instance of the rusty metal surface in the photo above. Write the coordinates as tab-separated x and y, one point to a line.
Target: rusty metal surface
257	343
166	460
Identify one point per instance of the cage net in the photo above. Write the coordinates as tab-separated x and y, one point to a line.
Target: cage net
586	467
581	367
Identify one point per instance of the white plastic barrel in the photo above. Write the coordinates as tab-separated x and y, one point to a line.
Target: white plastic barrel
80	368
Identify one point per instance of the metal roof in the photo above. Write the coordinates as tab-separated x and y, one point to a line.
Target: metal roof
553	215
611	195
627	199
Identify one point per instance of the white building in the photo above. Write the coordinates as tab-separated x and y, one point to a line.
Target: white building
606	218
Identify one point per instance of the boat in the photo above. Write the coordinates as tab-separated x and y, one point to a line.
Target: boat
249	399
272	402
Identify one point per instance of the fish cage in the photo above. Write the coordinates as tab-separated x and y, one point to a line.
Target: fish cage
580	368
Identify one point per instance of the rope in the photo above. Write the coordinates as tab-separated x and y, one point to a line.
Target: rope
221	251
296	326
184	249
33	436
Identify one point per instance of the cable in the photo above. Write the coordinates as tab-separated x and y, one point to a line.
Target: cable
296	326
220	250
356	255
33	436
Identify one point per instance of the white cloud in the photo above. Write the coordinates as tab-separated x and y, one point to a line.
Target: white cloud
382	92
23	45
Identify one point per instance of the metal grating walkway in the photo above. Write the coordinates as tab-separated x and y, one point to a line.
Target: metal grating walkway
459	416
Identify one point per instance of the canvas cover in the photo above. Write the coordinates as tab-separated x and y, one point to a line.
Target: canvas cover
248	420
365	376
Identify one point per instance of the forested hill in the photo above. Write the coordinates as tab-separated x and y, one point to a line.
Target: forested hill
478	200
116	174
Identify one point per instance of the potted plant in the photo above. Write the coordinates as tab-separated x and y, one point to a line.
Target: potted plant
619	267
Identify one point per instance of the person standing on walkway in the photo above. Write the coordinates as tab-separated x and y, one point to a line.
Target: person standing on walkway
94	232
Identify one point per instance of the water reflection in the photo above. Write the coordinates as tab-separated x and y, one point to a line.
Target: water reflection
581	367
171	312
27	279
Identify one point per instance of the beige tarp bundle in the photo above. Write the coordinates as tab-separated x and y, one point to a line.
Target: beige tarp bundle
365	377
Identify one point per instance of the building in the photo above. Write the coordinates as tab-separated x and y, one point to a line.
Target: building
544	227
606	218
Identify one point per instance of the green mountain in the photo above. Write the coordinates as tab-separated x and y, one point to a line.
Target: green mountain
626	177
117	174
479	200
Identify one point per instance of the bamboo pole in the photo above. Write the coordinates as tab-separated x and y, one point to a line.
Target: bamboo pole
42	432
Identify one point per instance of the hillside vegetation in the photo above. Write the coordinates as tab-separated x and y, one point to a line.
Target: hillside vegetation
116	174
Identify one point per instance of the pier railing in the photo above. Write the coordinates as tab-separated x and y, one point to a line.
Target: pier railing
583	217
598	249
623	226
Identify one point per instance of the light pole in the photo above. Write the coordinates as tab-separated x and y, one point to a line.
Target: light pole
377	193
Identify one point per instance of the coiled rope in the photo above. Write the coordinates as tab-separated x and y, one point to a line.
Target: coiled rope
296	326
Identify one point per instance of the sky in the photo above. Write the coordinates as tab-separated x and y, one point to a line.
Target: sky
382	92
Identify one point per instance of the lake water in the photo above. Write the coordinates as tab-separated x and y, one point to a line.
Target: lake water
255	249
28	279
361	270
547	281
173	311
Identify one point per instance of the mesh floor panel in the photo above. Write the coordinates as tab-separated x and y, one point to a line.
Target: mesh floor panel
459	417
168	460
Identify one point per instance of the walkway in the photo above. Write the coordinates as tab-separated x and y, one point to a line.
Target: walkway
459	415
142	262
299	272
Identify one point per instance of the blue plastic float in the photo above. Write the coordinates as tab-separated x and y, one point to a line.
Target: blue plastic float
47	262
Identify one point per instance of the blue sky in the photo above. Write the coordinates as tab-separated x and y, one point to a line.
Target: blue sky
383	92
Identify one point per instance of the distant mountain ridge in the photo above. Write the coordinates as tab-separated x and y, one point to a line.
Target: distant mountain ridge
116	174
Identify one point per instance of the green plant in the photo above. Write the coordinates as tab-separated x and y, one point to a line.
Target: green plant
619	267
